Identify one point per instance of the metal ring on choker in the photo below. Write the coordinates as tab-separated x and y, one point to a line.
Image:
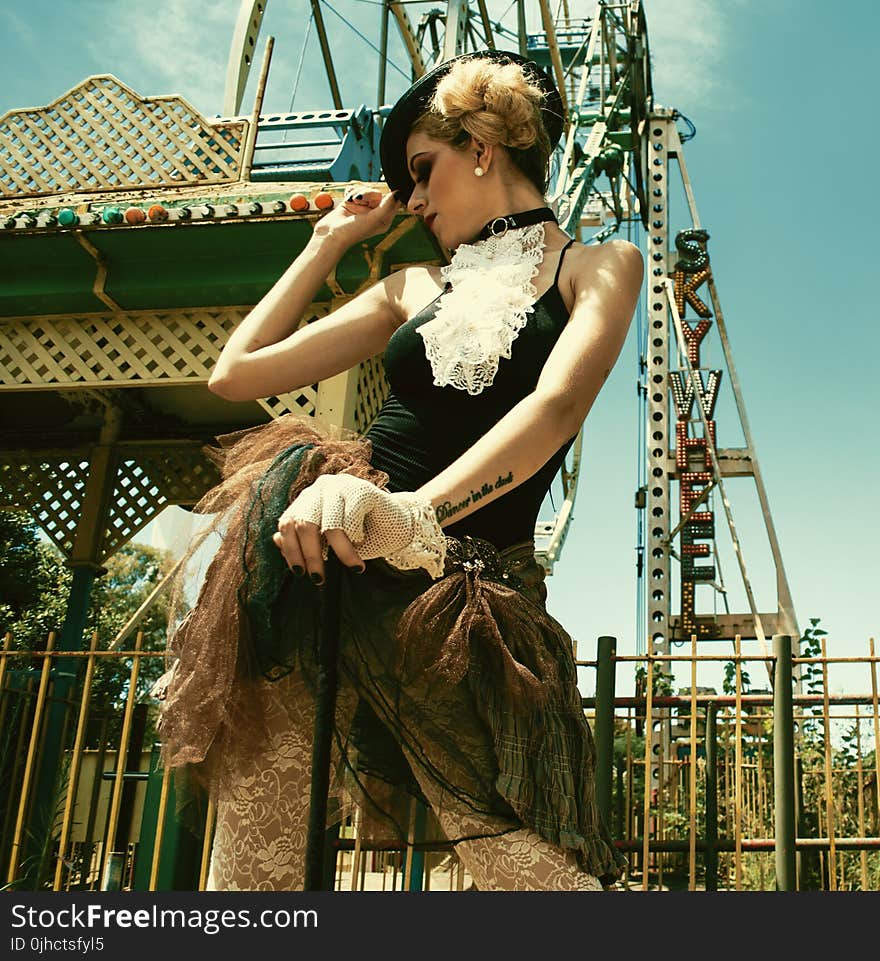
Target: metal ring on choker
513	221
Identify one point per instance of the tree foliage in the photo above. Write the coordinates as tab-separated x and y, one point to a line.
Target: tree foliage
35	587
35	584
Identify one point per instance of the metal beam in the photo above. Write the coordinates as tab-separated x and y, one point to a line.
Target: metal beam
788	619
555	58
407	34
521	31
241	53
101	275
456	27
254	126
383	55
487	24
325	53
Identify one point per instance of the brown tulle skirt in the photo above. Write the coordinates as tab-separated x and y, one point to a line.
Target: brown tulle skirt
464	683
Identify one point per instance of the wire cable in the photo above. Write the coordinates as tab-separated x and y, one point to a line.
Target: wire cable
369	43
692	130
302	57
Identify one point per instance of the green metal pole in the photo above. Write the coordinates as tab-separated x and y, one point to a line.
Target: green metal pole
803	859
604	724
417	875
783	765
711	855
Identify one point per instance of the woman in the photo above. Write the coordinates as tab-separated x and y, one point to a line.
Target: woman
456	685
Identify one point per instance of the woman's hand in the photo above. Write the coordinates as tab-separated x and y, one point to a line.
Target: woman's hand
362	214
359	521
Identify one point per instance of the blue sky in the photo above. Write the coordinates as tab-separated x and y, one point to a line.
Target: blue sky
781	94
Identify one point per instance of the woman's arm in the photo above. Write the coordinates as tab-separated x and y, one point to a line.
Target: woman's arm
606	291
267	355
607	286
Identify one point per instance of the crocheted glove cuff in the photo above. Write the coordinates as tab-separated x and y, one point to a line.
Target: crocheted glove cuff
427	548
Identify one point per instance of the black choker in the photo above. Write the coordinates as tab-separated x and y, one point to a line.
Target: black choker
500	225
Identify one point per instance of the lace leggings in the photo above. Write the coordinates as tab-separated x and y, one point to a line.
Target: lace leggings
262	817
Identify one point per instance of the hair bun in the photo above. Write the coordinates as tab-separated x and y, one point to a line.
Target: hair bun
493	102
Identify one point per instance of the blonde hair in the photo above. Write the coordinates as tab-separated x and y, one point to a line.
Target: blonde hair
496	103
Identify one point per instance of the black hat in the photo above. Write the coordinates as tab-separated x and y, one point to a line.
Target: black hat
398	123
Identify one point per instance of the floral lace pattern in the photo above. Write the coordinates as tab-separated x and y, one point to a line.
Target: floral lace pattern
263	811
480	317
427	548
262	815
507	857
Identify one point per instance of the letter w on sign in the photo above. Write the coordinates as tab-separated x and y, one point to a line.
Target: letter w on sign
683	392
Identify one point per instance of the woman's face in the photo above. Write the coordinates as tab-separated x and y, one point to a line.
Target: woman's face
444	195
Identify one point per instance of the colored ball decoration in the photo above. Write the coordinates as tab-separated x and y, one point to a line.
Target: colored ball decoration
323	201
157	213
111	215
299	202
134	215
67	217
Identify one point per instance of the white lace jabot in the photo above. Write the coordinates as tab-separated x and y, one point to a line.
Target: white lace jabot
479	318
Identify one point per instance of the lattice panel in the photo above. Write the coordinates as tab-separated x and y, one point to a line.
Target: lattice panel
50	487
372	389
180	471
101	135
146	347
304	401
136	501
149	347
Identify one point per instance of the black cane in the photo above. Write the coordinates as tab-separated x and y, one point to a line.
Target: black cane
325	710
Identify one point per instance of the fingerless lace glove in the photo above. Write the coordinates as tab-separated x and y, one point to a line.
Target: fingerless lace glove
400	527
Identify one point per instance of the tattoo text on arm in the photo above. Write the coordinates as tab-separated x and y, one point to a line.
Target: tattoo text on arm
447	509
487	488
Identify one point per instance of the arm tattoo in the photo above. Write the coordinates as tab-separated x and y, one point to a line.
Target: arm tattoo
447	509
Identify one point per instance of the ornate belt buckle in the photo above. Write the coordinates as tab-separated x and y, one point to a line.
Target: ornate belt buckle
505	226
475	555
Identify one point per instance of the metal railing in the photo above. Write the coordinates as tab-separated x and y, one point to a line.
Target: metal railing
754	790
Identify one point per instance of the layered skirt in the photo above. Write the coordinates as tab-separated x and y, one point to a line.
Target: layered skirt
461	692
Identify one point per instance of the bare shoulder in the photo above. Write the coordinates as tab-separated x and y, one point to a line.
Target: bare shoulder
605	281
617	256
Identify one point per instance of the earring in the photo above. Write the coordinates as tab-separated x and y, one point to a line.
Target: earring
478	171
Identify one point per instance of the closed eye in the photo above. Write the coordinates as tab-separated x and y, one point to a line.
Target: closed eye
422	173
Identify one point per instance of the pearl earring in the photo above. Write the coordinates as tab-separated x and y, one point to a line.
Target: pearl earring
478	171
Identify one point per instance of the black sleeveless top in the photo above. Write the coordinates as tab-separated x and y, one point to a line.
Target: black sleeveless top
421	429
